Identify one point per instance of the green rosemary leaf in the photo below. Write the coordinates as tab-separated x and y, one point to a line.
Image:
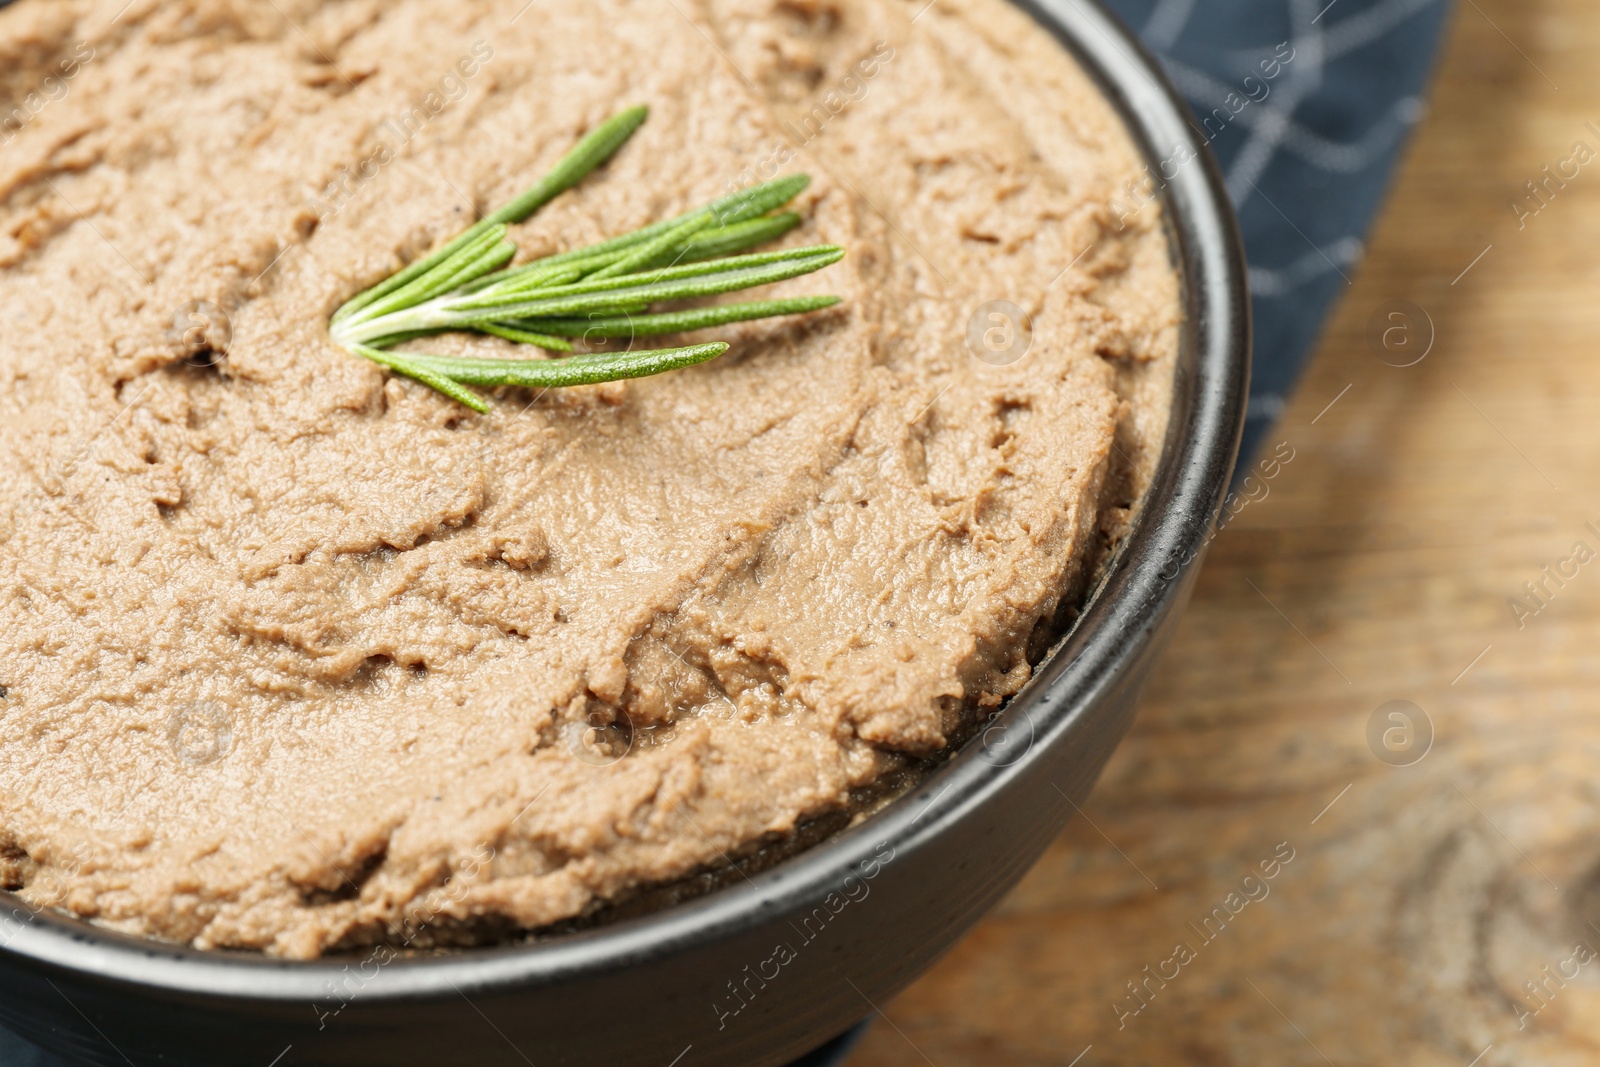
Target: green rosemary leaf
598	146
735	207
654	252
489	298
630	326
649	289
524	337
536	275
725	211
702	244
758	199
411	368
729	240
490	261
593	150
556	373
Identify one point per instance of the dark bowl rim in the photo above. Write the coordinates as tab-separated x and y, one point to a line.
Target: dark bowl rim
1118	626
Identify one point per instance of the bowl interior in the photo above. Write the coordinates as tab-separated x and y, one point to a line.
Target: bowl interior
1142	587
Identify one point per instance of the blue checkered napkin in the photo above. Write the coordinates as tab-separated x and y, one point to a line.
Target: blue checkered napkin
1307	152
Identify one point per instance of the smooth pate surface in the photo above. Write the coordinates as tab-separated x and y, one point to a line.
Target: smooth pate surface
297	656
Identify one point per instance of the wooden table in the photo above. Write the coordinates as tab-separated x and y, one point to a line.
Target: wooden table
1446	912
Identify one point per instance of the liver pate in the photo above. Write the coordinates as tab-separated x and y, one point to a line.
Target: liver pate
298	656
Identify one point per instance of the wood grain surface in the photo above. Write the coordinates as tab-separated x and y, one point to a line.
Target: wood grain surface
1442	912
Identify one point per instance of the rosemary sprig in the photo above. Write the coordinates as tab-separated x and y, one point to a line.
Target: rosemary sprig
630	326
602	291
603	296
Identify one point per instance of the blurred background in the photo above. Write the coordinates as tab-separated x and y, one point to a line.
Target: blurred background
1389	670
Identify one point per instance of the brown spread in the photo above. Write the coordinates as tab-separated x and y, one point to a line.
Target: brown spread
296	655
